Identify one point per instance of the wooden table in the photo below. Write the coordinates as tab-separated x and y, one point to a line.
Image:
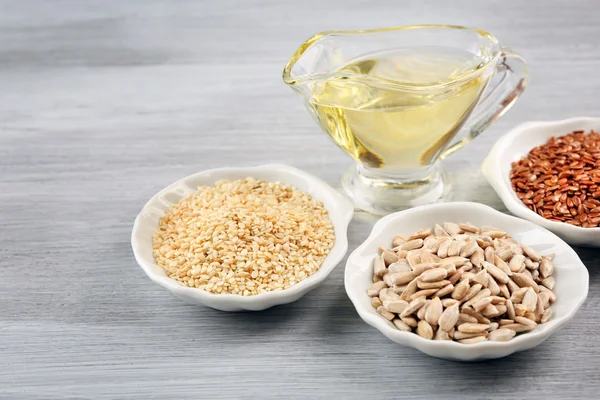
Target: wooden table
103	103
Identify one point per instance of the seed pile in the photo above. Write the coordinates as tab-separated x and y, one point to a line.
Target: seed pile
243	237
459	282
560	180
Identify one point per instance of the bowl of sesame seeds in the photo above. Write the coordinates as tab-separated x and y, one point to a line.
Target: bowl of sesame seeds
238	239
549	173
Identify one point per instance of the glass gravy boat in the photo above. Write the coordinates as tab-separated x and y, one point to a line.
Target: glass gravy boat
398	100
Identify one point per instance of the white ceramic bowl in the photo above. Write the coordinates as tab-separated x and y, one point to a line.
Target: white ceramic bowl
571	276
339	208
515	145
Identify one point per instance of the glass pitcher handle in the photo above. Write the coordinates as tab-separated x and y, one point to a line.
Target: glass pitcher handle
512	76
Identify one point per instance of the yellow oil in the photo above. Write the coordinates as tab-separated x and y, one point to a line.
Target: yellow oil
399	129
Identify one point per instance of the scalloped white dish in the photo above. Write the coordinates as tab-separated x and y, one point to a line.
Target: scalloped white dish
515	145
571	276
340	213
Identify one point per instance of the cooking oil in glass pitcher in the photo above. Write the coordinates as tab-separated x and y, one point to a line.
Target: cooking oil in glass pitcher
399	130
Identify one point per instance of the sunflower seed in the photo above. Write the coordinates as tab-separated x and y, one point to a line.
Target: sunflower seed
439	231
461	290
520	310
427	258
420	268
379	268
468	227
493	326
550	292
401	325
432	285
384	313
423	293
399	266
531	253
480	295
446	290
398	289
420	234
526	322
413	258
517	327
376	302
389	257
410	321
454	248
529	300
539	309
496	272
411	289
501	335
489	254
506	322
443	249
502	265
516	262
510	310
518	294
480	318
432	243
375	288
441	334
401	278
462	318
505	252
546	269
456	276
473	290
529	264
458	335
450	268
493	285
413	306
400	253
523	280
388	280
503	290
468	249
481	277
395	306
433	275
424	330
387	294
434	311
411	245
399	240
421	312
477	257
512	286
531	316
546	316
456	260
451	228
472	328
482	303
544	298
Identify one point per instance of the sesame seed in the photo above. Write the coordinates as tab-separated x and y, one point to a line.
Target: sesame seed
244	237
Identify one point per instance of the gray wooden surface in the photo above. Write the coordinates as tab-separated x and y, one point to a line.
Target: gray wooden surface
103	103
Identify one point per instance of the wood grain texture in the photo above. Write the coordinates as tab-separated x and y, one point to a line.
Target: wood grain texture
103	103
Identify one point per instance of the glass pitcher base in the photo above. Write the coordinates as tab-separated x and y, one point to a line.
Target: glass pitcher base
384	194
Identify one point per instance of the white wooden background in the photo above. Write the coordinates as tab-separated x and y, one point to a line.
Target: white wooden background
103	103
